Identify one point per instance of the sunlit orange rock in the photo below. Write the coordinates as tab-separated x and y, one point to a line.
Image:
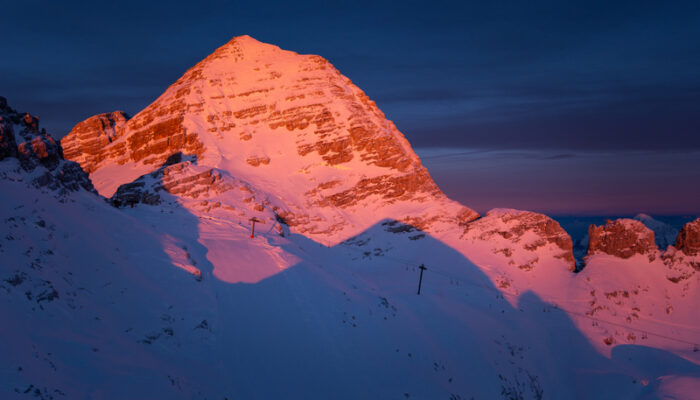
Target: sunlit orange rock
267	115
622	238
87	142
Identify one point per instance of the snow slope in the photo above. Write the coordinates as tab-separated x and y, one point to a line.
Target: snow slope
102	308
161	292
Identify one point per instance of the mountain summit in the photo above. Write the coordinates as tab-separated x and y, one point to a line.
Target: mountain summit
210	278
290	125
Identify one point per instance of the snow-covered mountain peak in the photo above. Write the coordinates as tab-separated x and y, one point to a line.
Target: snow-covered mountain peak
247	41
290	125
245	47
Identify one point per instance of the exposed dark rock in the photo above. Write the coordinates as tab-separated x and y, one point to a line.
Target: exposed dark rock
21	138
688	240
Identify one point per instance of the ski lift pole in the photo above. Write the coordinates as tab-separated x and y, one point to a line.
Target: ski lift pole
252	230
420	280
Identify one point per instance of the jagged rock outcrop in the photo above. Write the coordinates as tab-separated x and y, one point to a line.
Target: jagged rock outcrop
87	143
37	152
289	124
21	138
511	231
622	238
688	240
133	193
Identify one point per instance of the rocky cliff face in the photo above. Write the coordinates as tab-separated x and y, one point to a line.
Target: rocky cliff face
289	125
21	138
688	240
88	142
37	153
622	238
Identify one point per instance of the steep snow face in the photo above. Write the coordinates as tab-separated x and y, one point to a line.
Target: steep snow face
288	124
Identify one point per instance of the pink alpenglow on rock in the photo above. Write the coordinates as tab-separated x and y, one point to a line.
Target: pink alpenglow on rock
88	141
288	124
622	238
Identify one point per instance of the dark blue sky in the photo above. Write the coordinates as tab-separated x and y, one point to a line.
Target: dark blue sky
560	78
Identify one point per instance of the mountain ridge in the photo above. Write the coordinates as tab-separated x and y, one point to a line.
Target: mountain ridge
167	281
